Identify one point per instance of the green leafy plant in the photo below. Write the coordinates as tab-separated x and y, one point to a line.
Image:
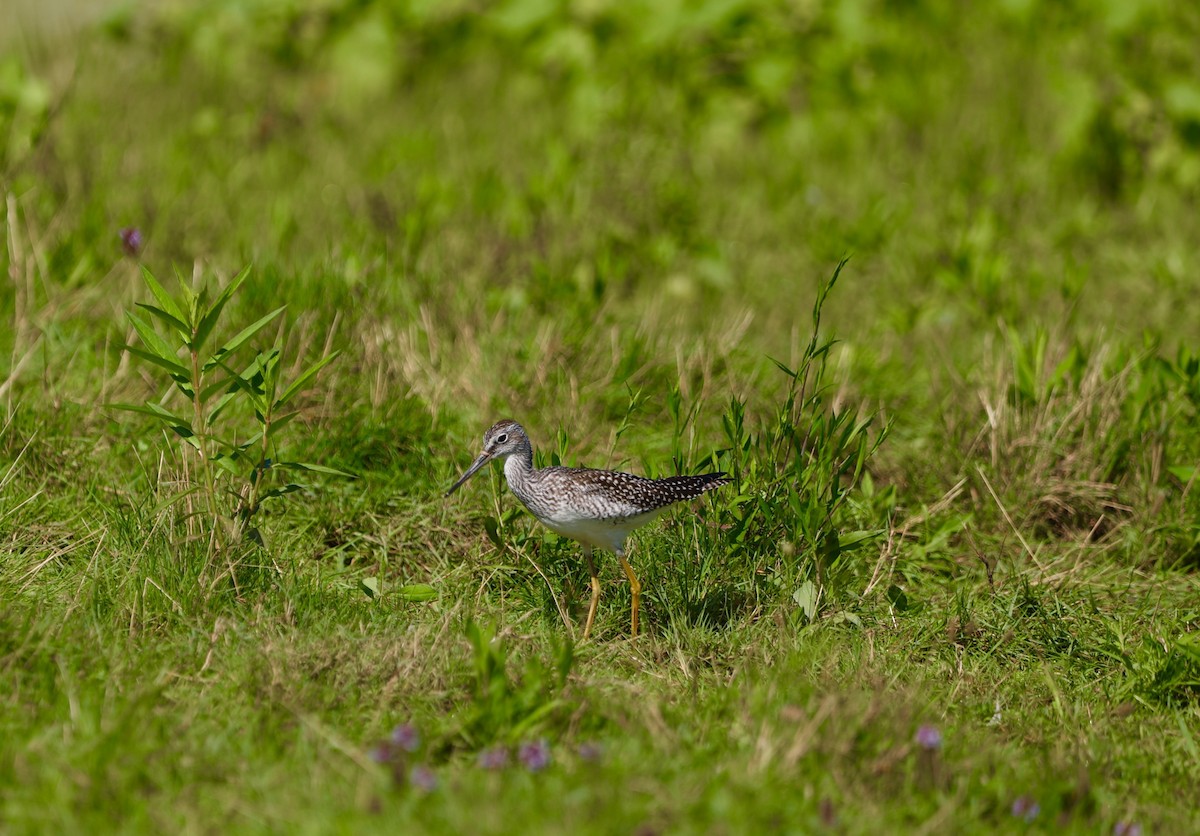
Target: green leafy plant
797	477
234	474
508	709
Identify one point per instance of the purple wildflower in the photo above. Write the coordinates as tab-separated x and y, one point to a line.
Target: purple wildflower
381	753
406	737
928	737
494	758
590	751
1026	807
1127	828
535	755
423	778
131	240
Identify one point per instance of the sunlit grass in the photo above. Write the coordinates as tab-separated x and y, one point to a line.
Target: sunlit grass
614	234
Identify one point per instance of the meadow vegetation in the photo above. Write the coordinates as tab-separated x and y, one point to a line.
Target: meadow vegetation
922	279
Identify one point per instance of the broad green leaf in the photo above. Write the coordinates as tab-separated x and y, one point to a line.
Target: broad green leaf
417	592
229	464
245	382
190	299
216	386
1189	645
209	320
806	597
153	341
245	334
155	411
164	299
315	468
281	491
370	586
220	405
857	539
304	378
177	324
1183	473
492	526
280	421
176	369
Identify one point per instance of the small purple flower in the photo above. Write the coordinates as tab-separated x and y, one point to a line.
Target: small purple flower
590	751
381	753
535	755
1127	828
494	758
1026	807
406	737
928	737
423	778
131	240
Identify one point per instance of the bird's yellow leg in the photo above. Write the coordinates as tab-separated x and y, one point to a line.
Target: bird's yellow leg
591	616
635	589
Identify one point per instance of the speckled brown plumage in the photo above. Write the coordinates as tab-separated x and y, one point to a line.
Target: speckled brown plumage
599	508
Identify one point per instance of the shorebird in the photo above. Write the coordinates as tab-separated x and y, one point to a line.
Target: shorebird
598	508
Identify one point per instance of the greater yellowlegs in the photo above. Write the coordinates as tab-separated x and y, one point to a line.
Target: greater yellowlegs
599	508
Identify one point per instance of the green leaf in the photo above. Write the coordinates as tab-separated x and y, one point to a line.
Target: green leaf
1183	473
279	421
164	300
220	405
190	298
229	464
153	341
153	410
492	526
246	383
315	468
304	378
178	372
417	592
1188	644
792	374
209	320
370	586
216	386
177	324
281	491
245	334
857	539
806	597
180	425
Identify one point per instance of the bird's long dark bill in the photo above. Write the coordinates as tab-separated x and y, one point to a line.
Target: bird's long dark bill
483	459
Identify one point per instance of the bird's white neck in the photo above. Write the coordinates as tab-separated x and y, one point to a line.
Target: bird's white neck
517	468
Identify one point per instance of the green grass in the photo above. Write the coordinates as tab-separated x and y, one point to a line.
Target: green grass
965	503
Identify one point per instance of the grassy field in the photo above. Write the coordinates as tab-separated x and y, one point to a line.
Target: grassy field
952	588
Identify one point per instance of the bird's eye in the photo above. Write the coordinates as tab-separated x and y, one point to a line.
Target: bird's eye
503	437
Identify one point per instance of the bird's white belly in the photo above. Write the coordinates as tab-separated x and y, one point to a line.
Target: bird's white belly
599	533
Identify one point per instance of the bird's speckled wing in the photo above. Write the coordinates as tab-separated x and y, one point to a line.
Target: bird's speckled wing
610	494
